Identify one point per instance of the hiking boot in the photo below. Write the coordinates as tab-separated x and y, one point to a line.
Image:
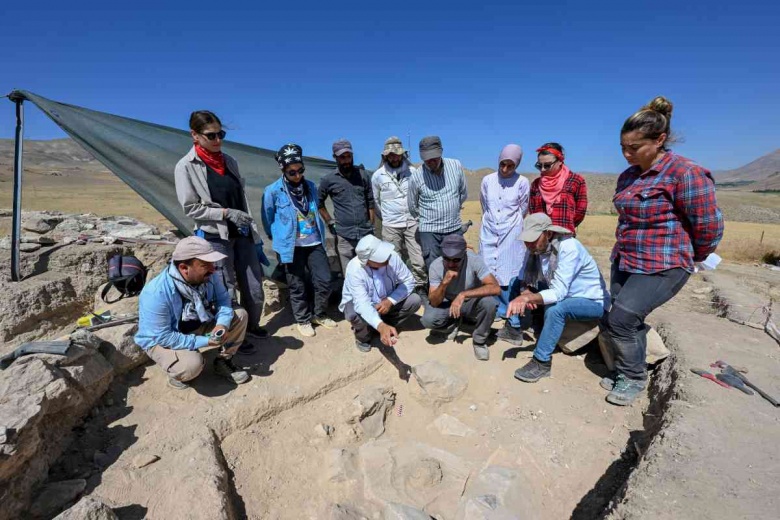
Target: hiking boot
247	348
510	334
625	391
178	385
258	332
325	322
608	382
481	352
533	371
224	367
363	347
306	330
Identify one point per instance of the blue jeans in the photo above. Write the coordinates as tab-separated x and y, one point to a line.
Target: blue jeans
509	293
555	317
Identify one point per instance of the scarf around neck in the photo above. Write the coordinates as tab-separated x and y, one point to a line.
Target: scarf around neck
214	160
299	195
396	172
551	187
195	298
533	267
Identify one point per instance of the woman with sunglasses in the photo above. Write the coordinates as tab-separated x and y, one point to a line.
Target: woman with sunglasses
668	220
291	220
211	192
559	192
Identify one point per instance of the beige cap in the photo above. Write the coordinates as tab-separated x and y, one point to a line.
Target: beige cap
535	224
393	145
196	247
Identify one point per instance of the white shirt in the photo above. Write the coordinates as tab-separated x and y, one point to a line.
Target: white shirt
390	195
576	276
365	287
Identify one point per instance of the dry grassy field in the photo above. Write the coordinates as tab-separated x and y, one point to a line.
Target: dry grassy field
742	241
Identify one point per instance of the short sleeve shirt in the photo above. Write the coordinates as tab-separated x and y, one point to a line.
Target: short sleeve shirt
472	270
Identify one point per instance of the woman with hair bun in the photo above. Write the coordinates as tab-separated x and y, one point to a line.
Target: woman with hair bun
668	220
211	192
558	191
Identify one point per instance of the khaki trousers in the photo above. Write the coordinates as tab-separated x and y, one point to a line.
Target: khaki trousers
185	365
404	239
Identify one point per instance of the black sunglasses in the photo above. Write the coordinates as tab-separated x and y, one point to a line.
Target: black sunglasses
211	136
293	173
544	166
452	260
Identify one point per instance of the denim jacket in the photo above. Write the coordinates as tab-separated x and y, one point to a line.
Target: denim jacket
280	220
159	311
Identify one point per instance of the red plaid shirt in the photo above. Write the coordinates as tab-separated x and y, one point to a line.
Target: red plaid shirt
668	216
571	207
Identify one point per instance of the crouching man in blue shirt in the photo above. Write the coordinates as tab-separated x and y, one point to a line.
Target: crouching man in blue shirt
377	294
571	283
184	309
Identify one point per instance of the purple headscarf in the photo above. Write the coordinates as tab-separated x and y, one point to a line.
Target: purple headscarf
513	152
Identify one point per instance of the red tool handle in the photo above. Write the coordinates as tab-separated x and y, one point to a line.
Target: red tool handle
715	380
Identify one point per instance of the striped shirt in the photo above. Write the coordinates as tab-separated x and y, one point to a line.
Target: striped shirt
435	199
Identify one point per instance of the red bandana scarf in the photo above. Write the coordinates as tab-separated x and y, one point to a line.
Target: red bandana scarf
215	160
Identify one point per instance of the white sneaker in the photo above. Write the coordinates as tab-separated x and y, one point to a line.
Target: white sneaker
306	330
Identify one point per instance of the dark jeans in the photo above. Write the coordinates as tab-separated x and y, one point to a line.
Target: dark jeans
315	260
634	296
400	312
430	243
242	268
479	310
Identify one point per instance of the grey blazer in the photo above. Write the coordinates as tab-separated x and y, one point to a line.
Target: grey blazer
192	190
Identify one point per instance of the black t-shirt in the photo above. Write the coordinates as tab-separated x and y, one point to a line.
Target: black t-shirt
226	191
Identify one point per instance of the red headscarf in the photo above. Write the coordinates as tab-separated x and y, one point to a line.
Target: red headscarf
551	184
215	160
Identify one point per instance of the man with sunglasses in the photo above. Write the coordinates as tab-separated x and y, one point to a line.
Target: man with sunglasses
349	187
378	293
291	220
461	287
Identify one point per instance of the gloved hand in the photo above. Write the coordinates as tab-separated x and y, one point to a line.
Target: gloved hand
332	227
238	217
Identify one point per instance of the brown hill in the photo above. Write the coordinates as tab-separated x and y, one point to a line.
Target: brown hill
763	174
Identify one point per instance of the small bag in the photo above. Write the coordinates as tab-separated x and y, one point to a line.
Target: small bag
127	274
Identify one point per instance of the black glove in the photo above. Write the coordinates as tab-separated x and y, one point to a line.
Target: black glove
332	227
238	217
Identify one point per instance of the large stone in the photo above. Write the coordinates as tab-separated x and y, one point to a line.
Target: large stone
449	425
370	409
88	508
119	348
52	498
656	349
42	397
422	476
500	493
437	383
26	247
37	239
394	511
577	334
124	227
36	225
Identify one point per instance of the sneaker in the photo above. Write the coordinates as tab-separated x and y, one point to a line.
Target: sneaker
511	335
625	390
533	371
306	330
324	321
258	332
481	352
608	382
224	367
178	385
363	347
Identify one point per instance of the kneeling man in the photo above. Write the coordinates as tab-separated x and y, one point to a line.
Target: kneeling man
461	287
573	288
378	292
184	309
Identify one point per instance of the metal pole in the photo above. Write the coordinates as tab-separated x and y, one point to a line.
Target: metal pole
16	231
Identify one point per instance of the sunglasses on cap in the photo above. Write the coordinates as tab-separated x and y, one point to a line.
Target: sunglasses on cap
544	166
211	136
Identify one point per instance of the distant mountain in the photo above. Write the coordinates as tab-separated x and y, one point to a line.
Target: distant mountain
761	174
54	154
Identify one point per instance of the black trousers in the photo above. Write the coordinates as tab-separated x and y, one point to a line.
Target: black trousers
315	260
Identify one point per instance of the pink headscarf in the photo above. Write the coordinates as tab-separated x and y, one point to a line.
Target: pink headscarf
513	152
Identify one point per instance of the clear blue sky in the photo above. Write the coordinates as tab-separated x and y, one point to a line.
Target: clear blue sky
479	74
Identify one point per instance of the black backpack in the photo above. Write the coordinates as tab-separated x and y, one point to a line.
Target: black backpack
127	274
